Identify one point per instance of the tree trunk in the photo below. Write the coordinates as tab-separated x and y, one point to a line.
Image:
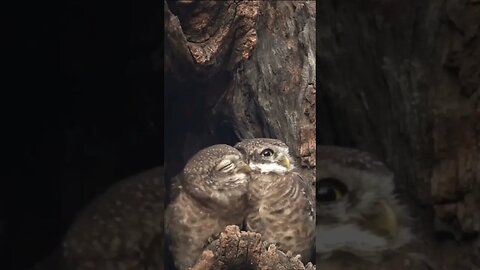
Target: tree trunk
239	69
401	79
274	94
235	249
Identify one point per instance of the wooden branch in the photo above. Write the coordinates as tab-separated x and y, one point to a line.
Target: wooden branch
239	249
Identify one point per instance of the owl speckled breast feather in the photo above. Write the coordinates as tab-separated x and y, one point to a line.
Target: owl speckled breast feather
280	201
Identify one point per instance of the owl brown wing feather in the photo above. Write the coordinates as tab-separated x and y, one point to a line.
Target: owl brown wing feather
307	190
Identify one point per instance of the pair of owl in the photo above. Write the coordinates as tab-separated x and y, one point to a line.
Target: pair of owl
254	184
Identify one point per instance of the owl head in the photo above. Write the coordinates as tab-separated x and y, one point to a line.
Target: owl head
356	209
265	155
216	168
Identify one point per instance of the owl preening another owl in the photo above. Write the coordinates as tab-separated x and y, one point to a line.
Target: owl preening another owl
253	183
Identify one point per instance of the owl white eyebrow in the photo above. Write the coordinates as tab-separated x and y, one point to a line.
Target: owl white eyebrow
268	168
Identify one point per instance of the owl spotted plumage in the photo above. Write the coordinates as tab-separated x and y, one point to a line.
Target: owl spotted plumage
359	219
280	202
122	229
213	195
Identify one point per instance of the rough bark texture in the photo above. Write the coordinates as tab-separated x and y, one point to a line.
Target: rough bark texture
401	79
235	249
271	95
206	37
274	94
239	69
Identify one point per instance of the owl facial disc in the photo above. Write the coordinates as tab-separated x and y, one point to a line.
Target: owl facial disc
357	210
266	155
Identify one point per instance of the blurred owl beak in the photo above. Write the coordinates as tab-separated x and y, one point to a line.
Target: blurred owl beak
286	162
244	168
384	222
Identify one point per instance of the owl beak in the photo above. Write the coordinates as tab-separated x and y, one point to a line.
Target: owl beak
384	222
286	162
244	168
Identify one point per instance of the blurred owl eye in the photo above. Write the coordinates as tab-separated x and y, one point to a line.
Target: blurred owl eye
267	152
330	190
225	166
327	194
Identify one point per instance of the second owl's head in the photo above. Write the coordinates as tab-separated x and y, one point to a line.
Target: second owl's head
265	155
356	208
351	184
219	167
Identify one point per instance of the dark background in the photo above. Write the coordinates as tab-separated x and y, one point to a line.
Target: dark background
84	110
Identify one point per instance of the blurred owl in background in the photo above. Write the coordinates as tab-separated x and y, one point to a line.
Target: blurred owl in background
212	196
280	201
122	229
359	221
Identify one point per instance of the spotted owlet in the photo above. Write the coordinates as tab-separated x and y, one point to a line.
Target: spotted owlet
280	201
122	229
359	220
213	195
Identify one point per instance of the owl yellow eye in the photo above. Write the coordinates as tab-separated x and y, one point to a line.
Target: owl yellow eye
330	190
267	152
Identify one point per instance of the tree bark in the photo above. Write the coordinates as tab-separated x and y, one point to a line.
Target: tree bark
274	94
260	68
401	79
235	249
